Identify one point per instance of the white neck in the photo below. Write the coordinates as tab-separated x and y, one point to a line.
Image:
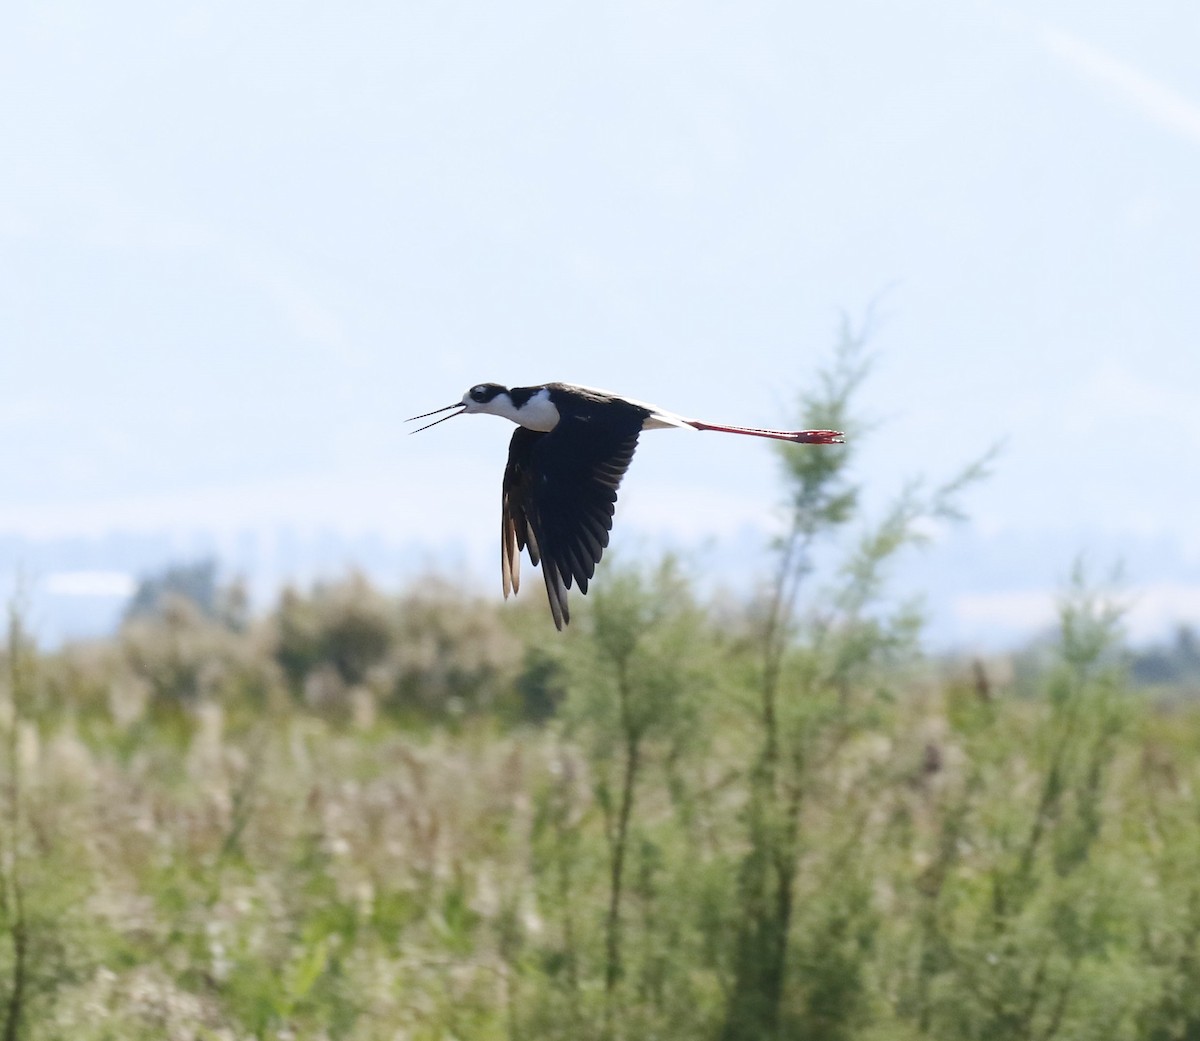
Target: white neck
538	413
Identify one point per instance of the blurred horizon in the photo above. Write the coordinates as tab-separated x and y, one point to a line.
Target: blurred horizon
71	589
239	244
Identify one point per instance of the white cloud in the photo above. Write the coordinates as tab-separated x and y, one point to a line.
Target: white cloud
303	311
108	217
1155	609
1025	611
1152	610
414	498
90	583
1115	401
1157	101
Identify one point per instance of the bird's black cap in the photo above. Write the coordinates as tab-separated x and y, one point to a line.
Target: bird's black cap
485	392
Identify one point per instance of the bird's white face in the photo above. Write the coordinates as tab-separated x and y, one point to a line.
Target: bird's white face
490	398
536	412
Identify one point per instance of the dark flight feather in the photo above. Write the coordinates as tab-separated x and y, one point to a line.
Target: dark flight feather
559	495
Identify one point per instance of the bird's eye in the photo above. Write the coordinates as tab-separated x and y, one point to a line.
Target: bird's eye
479	393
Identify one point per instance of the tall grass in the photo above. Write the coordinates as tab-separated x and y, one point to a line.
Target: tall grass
13	863
929	858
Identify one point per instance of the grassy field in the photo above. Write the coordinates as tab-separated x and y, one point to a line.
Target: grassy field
429	817
618	837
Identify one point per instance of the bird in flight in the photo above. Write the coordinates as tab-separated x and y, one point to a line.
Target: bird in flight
566	459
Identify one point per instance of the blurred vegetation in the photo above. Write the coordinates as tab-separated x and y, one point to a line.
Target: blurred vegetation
1172	668
431	816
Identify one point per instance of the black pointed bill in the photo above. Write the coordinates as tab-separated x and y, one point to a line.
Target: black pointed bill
425	415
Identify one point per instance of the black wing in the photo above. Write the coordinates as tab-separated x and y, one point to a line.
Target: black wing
560	489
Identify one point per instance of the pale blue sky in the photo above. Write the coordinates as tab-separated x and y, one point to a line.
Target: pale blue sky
239	242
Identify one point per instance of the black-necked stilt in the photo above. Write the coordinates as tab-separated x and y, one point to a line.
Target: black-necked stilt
566	459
